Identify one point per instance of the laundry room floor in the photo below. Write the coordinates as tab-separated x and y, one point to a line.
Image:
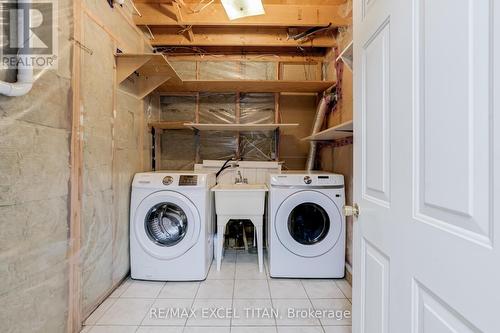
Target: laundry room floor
237	299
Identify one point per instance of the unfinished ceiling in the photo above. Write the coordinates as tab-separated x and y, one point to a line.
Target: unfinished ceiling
288	26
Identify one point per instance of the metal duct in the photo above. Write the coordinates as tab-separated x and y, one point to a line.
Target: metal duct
318	123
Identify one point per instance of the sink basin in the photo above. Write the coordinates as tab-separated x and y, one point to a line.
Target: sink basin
240	199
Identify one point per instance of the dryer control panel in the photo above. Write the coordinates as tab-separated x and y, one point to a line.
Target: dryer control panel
188	180
311	179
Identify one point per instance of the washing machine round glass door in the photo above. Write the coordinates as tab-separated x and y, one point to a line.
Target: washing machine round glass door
167	224
308	223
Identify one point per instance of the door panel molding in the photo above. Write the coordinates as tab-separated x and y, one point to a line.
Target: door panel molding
431	314
450	134
374	289
375	122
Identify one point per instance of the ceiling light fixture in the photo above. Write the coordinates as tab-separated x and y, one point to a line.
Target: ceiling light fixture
236	9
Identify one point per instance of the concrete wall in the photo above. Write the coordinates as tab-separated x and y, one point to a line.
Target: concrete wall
35	132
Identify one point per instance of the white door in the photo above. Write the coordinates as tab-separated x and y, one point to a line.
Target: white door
427	166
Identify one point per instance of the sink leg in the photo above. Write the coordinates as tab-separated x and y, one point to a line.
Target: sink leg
257	222
221	229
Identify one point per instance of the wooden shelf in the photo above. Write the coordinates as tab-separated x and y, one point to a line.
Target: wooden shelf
347	56
238	127
167	125
153	69
338	132
248	86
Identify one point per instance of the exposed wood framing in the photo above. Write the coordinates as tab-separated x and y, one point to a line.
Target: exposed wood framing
152	69
166	125
265	2
149	64
238	119
236	36
265	56
248	86
238	127
103	26
74	279
292	15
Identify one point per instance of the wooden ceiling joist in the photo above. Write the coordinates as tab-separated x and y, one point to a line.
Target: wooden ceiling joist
236	36
193	3
277	15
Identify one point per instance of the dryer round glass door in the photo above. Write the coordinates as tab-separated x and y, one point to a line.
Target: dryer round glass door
308	223
167	224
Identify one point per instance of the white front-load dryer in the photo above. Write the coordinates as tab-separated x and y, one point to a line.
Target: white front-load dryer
306	229
171	226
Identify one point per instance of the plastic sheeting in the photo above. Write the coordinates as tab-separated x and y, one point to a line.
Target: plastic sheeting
178	150
226	70
257	108
177	108
258	146
217	108
35	171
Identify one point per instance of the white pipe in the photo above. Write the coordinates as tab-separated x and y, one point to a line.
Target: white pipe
24	71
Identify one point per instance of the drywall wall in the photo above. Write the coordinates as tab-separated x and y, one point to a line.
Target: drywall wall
35	132
113	150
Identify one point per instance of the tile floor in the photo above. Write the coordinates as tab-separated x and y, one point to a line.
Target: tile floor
237	299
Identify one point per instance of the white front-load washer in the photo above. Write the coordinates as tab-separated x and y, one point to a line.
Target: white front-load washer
306	229
171	226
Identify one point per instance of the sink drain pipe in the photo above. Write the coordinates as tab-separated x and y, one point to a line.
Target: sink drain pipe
24	71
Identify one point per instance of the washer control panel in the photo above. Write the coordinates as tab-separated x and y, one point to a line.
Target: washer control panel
188	180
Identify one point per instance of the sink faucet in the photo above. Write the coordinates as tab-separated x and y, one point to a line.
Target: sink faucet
240	179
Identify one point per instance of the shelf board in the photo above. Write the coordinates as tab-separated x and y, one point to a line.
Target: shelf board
153	69
347	56
238	127
248	86
338	132
166	125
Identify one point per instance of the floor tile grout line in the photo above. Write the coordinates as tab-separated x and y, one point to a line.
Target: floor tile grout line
195	296
340	289
272	303
234	286
98	318
312	304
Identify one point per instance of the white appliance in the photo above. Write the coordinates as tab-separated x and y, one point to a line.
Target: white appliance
171	226
306	228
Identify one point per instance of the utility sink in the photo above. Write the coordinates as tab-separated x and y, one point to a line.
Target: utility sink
240	199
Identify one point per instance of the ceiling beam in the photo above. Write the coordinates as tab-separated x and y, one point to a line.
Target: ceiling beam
236	36
265	2
277	15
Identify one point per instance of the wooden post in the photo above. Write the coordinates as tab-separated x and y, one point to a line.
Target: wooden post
277	120
74	323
